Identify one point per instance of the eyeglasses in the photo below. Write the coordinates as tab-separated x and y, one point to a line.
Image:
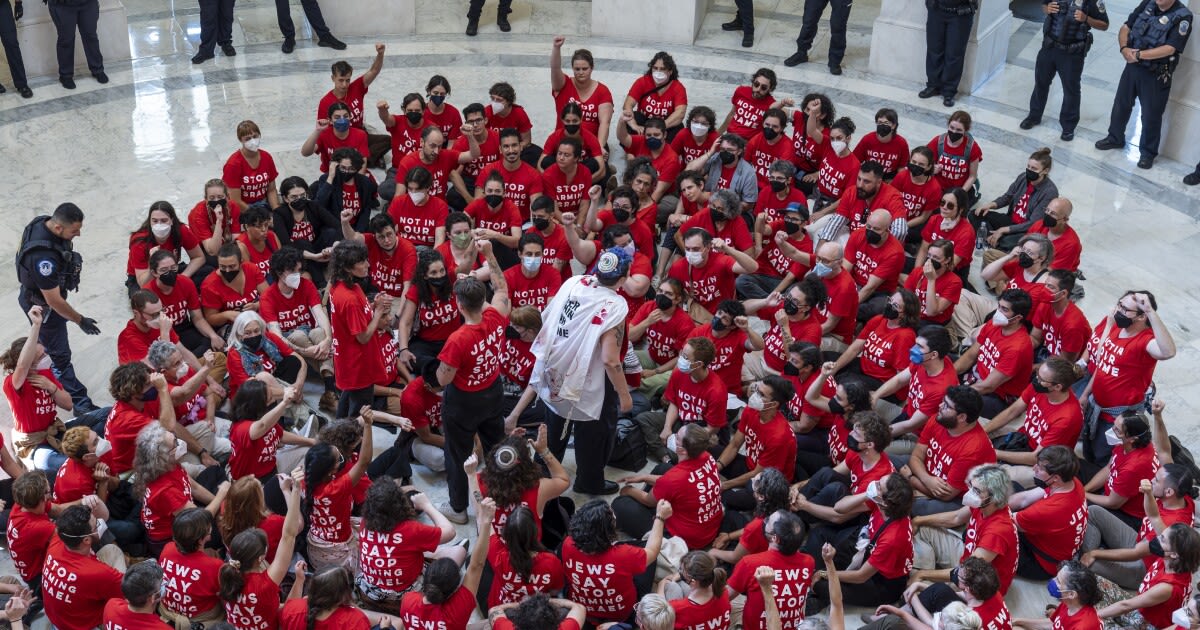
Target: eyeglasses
761	86
301	197
168	269
949	205
1130	312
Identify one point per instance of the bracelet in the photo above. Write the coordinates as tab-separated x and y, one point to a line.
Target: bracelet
1124	47
546	454
402	350
1138	55
659	518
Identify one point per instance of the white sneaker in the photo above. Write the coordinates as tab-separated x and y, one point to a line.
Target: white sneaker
459	518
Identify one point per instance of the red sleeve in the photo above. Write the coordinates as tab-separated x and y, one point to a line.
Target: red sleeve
232	173
631	558
187	239
976	152
209	297
843	303
284	349
927	433
237	373
742	578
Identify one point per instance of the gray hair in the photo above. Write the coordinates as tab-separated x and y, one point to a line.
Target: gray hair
245	318
995	480
1043	243
654	613
151	458
733	203
160	353
958	616
783	167
141	581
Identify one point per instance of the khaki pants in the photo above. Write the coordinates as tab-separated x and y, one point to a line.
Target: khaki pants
113	557
936	547
314	336
651	385
830	343
755	368
216	369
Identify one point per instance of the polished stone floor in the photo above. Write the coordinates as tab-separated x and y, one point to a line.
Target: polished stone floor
163	126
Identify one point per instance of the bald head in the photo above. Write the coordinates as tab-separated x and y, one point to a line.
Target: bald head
1062	207
880	220
830	251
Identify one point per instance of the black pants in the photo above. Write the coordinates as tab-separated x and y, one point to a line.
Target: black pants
1068	66
12	47
839	15
946	36
745	13
216	24
84	18
1143	85
826	487
476	7
312	12
594	441
193	339
396	461
353	400
1027	564
876	591
938	596
465	415
53	336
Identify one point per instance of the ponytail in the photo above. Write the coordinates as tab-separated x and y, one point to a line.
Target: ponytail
232	582
245	551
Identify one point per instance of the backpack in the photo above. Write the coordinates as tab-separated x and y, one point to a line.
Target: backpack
629	452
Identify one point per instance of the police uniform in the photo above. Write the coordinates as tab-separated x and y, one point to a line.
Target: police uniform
46	262
12	48
947	30
1149	82
84	15
839	15
1065	44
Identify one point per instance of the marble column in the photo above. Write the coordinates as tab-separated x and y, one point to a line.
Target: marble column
1181	124
37	36
370	17
653	21
898	42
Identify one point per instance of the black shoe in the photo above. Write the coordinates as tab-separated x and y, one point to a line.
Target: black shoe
25	92
748	39
1068	135
472	27
1107	143
800	57
835	69
329	41
202	57
733	25
1193	178
927	92
289	44
502	22
1146	162
100	77
228	50
3	89
67	82
1030	122
948	101
610	487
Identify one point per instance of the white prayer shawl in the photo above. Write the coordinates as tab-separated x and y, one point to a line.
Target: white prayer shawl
568	374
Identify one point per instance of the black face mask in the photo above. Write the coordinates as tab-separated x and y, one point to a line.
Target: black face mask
915	171
954	573
511	333
954	136
836	407
494	201
791	370
663	302
770	134
213	203
874	238
571	129
718	324
717	215
168	279
253	342
230	276
778	186
1156	547
1031	176
936	264
1039	483
437	283
890	311
541	224
791	228
1049	221
790	307
1024	260
654	144
1122	320
727	157
437	99
1038	387
621	215
883	129
852	443
300	205
414	118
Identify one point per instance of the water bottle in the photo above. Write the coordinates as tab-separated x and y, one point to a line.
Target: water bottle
981	236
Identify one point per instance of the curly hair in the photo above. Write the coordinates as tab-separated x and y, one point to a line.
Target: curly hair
151	457
159	354
386	506
509	471
593	528
345	434
535	612
1081	580
8	360
345	255
129	381
246	549
772	492
244	508
74	442
426	292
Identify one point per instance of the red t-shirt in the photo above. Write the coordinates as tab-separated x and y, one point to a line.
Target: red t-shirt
393	560
772	262
180	302
1121	366
994	613
250	456
164	497
665	339
237	370
1169	518
856	211
418	224
253	182
535	291
29	536
956	168
949	286
405	138
566	193
748	111
217	295
697	401
452	264
806	154
257	606
355	93
452	614
842	302
893	552
591	144
918	198
329	520
753	539
472	350
711	615
886	261
590	106
950	457
420	405
603	583
118	616
666	163
793	579
1055	524
33	408
350	314
446	161
769	444
774	353
961	234
516	361
290	312
762	154
328	142
139	247
1159	615
925	391
389	272
885	349
294	615
1068	332
654	104
502	219
998	534
1067	247
688	148
731	355
489	151
519	186
449	121
509	587
837	173
770	203
710	283
437	319
516	118
1048	424
1125	474
76	587
693	488
1084	619
121	430
860	477
734	233
72	482
190	581
892	155
1011	355
132	344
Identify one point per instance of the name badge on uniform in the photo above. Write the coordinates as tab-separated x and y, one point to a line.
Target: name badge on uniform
1163	20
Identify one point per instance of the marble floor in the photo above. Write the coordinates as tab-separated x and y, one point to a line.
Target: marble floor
163	126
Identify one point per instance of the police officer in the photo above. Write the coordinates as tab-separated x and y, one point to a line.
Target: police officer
9	14
312	11
742	21
84	15
839	15
947	30
475	8
1151	41
47	268
1066	39
1193	178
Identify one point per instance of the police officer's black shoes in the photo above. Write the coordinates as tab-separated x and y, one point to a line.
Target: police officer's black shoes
3	89
948	101
1030	122
1146	162
1193	178
472	27
800	57
100	77
1106	143
733	25
835	69
67	82
927	92
747	39
25	92
228	50
502	23
1068	135
201	57
329	41
289	44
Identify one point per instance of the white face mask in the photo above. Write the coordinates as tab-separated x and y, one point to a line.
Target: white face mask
699	129
180	449
1180	618
949	223
1000	319
873	491
695	258
44	363
660	77
161	230
418	196
103	446
671	443
755	401
182	371
630	249
531	263
683	365
972	499
252	144
838	146
1110	436
497	106
292	280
